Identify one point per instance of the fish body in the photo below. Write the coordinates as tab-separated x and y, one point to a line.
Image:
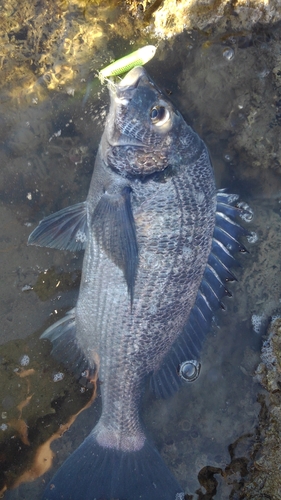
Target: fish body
174	220
148	228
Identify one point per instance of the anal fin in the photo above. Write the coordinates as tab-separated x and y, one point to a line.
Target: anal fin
62	334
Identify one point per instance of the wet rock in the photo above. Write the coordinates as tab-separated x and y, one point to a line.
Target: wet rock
173	16
264	480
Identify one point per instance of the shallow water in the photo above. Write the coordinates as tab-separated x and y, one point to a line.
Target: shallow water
53	109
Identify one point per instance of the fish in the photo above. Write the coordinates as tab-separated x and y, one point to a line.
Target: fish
160	243
137	58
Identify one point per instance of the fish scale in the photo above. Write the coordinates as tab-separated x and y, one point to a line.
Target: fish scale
109	389
158	244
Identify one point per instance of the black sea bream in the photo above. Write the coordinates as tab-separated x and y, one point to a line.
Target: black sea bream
158	243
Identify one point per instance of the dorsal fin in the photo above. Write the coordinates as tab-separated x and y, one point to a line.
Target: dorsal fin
226	242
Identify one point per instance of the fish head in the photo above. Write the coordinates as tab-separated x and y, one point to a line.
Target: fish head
143	128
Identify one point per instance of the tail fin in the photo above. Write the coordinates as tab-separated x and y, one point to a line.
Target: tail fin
96	473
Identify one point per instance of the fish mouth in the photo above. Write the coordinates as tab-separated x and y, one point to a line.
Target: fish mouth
120	96
125	90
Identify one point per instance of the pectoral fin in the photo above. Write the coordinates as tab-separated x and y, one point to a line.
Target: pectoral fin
65	230
114	229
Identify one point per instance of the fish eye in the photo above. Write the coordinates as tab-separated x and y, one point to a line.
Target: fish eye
159	115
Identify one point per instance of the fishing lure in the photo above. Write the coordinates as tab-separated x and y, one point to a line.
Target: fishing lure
137	58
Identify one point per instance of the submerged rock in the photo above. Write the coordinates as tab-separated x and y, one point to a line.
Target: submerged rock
173	16
264	480
268	372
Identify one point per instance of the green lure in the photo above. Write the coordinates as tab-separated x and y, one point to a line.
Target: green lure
137	58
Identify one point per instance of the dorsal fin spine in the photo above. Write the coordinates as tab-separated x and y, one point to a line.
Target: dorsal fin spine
212	289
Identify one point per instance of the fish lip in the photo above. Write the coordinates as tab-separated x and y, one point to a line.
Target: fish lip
132	78
130	81
123	92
